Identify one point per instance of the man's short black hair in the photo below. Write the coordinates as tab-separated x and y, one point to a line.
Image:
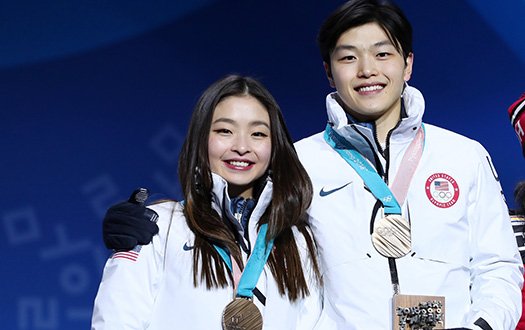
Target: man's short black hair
355	13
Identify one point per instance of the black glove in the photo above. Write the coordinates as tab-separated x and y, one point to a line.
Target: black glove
129	223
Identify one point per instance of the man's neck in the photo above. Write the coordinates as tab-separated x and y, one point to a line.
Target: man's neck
382	125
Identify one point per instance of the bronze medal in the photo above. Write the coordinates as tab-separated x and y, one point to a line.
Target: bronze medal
241	314
391	236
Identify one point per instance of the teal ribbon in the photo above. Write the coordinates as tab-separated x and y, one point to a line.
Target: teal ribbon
255	265
374	182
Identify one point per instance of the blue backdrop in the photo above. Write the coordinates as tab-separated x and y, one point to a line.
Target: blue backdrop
95	99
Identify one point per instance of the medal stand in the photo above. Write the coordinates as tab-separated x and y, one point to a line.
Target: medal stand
418	312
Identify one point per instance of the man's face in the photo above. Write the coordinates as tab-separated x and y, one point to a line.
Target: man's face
368	73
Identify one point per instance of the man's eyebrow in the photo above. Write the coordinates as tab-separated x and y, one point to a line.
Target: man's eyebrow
383	43
352	47
344	47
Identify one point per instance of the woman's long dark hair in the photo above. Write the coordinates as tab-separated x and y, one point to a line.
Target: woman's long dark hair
291	195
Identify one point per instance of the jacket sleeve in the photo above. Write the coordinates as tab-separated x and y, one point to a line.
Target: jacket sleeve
130	283
495	264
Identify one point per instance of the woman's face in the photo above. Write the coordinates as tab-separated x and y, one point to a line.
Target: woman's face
239	143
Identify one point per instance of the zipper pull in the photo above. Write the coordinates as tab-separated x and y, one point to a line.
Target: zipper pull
238	216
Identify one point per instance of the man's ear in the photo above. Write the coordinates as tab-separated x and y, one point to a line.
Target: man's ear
328	72
408	67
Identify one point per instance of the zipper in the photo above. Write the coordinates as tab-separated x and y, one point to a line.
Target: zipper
240	213
245	238
386	152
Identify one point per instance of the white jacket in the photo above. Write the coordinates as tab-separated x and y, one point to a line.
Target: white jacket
156	291
463	246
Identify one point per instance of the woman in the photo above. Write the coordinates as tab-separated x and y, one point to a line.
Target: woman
238	245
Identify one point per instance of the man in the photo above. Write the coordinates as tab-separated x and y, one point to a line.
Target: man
453	218
408	217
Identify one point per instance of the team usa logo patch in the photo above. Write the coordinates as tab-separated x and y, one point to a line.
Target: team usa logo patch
442	190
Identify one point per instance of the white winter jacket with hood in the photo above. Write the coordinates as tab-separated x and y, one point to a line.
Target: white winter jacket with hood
463	246
156	290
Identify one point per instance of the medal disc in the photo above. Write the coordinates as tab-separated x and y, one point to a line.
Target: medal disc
241	313
391	236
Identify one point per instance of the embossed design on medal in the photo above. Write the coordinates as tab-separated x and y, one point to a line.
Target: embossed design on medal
391	237
241	314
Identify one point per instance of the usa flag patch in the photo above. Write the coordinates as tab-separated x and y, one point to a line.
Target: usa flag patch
132	255
442	190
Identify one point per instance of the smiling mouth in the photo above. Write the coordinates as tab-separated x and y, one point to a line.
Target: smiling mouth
371	88
238	163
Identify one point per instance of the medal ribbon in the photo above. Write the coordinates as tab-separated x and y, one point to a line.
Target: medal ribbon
254	266
375	183
369	175
410	161
378	187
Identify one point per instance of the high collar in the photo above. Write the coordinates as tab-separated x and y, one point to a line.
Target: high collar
363	138
221	202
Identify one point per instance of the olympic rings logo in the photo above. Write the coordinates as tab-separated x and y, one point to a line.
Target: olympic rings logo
443	195
385	232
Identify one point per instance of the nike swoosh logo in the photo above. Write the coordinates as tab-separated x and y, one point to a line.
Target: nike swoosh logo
186	247
324	193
